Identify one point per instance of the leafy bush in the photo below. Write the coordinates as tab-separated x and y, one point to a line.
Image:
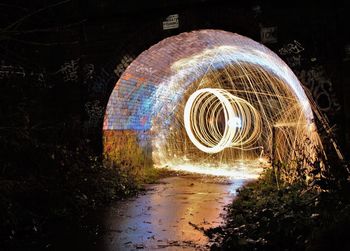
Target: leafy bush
294	217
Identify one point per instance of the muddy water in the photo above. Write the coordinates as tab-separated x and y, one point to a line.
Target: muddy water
166	216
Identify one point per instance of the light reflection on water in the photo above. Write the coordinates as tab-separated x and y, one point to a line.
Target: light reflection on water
237	184
164	217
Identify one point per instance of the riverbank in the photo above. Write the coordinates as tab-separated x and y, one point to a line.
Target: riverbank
169	214
37	206
291	217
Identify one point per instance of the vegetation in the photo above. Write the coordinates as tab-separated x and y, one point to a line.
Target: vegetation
272	215
71	183
51	175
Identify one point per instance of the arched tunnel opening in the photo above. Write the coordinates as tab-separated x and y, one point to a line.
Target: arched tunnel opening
208	101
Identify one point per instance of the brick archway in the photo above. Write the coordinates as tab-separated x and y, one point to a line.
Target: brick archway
141	114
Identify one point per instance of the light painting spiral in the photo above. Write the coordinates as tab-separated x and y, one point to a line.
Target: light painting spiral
215	119
208	98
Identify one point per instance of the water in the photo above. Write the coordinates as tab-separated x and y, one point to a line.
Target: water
164	217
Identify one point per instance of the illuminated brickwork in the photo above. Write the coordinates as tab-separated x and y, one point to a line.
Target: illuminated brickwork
143	110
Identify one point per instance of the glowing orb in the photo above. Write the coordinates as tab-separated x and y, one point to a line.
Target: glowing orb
203	114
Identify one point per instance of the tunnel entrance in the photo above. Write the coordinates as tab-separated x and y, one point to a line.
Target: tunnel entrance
207	100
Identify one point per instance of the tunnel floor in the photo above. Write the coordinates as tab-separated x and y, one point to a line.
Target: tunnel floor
164	217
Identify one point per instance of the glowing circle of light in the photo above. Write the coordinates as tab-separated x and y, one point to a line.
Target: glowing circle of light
202	112
144	121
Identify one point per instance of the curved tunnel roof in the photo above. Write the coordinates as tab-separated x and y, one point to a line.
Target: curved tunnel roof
162	73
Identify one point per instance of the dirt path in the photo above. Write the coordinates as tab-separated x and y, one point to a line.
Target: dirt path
163	217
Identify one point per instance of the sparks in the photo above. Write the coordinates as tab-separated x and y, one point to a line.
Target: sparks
215	98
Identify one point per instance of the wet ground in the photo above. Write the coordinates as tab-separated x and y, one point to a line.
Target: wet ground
167	215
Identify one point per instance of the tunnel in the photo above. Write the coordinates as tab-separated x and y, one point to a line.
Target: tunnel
208	98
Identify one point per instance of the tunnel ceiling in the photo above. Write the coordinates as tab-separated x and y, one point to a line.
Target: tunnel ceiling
145	110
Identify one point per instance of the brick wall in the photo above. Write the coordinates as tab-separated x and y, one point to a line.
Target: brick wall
147	94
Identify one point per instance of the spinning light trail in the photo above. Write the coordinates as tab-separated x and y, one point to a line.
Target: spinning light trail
208	98
202	115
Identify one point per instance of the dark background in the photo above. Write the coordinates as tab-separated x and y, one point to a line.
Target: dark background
67	51
59	61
